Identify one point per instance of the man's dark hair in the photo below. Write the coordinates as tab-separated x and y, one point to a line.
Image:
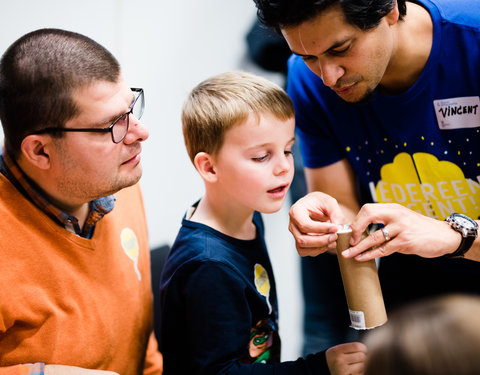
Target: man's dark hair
365	14
38	76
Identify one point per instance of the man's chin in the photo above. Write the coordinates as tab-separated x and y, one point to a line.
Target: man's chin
132	180
361	99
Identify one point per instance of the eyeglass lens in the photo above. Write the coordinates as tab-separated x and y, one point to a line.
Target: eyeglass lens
120	127
138	105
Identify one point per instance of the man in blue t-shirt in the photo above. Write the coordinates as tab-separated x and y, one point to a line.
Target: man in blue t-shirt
387	106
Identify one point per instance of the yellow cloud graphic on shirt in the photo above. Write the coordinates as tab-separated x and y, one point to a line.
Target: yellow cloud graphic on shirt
427	185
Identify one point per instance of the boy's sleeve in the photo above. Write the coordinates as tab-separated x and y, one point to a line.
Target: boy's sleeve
218	318
210	328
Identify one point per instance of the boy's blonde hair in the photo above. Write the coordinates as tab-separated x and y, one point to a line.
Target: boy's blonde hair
224	100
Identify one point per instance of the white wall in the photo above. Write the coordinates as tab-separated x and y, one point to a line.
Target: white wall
167	48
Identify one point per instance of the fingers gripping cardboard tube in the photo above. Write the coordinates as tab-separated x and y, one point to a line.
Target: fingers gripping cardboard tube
362	287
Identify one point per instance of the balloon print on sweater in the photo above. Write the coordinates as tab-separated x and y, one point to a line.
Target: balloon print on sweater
130	246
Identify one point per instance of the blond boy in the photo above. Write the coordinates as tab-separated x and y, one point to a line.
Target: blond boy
219	303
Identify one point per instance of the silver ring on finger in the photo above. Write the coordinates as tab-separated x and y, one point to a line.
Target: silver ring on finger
386	234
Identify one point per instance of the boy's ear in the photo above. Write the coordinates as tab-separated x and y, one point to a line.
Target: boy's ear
205	166
35	149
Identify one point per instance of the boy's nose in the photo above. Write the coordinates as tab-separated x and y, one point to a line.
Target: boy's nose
283	166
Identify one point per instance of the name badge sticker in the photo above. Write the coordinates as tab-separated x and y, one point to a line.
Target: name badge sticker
458	113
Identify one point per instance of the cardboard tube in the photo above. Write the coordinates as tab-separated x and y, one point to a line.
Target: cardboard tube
362	287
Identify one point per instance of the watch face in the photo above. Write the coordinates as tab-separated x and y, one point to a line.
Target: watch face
467	228
465	221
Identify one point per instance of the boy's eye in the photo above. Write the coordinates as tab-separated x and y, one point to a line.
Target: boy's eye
288	152
260	158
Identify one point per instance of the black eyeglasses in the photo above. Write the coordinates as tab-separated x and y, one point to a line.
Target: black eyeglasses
119	127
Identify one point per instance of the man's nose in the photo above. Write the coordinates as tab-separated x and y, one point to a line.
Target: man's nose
330	72
137	131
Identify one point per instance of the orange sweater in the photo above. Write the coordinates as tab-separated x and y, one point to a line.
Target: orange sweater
69	300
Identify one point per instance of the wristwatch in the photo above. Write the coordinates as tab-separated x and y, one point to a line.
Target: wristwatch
468	228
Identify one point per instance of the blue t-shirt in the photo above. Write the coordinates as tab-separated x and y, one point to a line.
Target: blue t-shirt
420	149
219	307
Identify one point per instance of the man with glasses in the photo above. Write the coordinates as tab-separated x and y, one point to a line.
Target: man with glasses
75	266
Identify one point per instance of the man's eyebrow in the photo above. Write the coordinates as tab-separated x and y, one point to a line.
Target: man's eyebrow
115	117
337	44
301	54
332	47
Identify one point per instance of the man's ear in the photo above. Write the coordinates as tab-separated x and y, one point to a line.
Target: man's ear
35	149
393	16
205	165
